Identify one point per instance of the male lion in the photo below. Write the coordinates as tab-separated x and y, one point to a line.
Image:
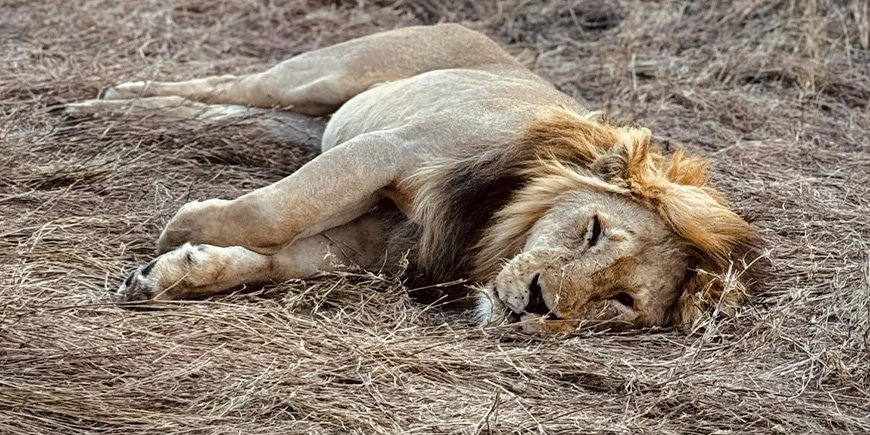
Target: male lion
561	216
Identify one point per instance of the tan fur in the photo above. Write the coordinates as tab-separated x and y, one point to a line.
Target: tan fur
559	213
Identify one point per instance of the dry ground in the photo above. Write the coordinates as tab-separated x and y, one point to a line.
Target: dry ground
775	91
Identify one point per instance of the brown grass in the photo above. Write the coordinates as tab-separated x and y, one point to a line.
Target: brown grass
775	92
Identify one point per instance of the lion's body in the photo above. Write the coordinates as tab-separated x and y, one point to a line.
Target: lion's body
470	107
443	114
493	164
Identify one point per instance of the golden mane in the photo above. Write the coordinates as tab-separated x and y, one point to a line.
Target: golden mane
475	212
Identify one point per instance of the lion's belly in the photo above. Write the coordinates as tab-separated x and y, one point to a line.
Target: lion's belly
446	108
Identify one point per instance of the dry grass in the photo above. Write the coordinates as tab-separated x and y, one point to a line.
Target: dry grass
776	92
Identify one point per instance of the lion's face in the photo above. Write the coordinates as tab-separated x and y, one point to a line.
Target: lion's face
581	220
594	256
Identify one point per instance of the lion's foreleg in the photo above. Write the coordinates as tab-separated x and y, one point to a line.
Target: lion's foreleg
195	270
334	188
201	270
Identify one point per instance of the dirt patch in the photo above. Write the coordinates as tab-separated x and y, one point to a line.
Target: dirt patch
776	93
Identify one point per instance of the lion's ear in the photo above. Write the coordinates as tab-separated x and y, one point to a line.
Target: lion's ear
613	166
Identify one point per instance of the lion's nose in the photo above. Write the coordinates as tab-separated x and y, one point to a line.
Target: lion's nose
536	298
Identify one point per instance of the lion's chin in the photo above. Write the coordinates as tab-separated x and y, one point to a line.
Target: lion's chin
491	311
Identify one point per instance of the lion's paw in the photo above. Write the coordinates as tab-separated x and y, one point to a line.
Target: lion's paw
139	285
125	91
196	222
489	310
169	276
83	109
187	271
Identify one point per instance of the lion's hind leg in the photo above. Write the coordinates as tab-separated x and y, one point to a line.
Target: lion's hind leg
169	106
318	82
224	89
286	126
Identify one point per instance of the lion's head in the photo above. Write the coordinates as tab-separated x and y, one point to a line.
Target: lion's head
580	220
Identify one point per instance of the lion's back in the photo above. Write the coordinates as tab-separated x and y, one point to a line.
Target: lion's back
454	105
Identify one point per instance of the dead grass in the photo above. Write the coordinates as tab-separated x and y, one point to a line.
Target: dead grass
776	92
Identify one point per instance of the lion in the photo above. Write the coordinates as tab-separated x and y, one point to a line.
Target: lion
440	143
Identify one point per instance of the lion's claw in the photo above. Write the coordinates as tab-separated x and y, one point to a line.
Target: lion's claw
137	286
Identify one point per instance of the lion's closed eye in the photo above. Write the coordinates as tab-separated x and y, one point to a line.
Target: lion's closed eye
593	231
624	298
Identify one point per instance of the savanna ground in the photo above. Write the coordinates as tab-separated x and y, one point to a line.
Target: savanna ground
776	92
